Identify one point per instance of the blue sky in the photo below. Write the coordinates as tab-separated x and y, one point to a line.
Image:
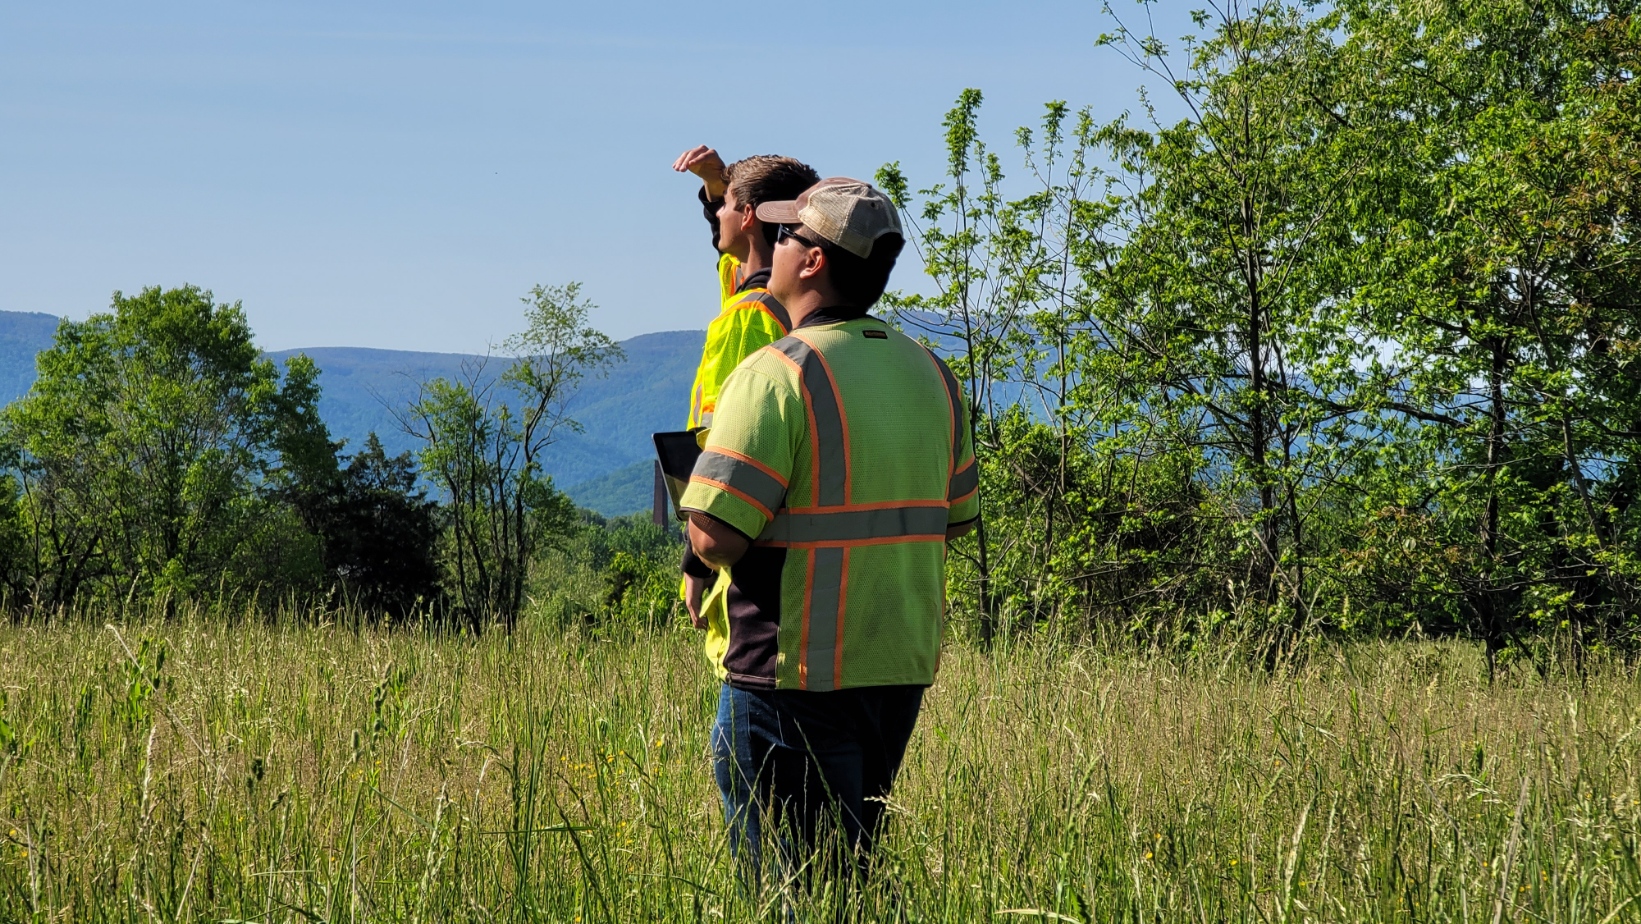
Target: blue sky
398	174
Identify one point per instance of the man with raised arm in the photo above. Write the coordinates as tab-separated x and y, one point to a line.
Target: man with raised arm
749	317
837	467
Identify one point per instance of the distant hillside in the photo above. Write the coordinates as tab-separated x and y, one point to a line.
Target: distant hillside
23	334
647	392
623	491
360	387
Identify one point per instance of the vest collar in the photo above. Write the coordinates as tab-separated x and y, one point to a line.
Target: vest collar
758	280
832	314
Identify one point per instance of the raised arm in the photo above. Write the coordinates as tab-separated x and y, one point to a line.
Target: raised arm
705	163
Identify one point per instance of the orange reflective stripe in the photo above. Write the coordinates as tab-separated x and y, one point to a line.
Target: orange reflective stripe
820	644
752	483
809	411
827	429
729	277
803	632
843	596
953	395
834	527
842	456
761	300
695	394
824	617
752	462
964	483
852	543
731	489
875	505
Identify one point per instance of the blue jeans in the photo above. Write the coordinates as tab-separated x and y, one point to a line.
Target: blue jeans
787	760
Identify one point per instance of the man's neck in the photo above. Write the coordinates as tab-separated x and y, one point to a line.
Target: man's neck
759	257
808	303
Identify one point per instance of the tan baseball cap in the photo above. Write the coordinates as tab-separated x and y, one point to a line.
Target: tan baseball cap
849	213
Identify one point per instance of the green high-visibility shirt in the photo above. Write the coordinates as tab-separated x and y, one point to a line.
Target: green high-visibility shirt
843	452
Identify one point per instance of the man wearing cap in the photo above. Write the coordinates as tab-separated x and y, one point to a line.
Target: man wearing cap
837	467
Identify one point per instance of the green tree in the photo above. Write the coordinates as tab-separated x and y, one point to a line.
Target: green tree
1351	345
13	540
1175	315
485	439
1500	262
1226	288
1007	312
144	447
379	531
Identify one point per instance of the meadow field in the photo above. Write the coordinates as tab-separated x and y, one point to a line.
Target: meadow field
193	771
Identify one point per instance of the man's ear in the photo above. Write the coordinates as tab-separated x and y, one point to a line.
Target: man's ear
814	261
749	217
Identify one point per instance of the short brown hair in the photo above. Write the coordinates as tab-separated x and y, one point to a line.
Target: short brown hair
768	178
860	281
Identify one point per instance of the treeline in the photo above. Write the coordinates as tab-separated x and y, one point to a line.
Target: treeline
160	460
1350	348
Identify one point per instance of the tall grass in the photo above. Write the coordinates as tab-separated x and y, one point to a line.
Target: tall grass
190	771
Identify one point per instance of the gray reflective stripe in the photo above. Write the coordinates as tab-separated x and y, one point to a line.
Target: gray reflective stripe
825	609
953	395
831	449
742	476
965	481
775	308
855	525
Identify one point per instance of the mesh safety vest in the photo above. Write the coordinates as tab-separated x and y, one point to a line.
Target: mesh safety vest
747	320
844	450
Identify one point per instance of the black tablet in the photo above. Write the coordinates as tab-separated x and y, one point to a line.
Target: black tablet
677	452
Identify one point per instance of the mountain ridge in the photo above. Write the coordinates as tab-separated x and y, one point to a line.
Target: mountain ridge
645	392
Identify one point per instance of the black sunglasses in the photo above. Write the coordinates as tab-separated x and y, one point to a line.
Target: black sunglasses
785	231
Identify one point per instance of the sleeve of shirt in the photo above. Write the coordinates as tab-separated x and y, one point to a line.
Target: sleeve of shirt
709	208
964	491
729	277
742	474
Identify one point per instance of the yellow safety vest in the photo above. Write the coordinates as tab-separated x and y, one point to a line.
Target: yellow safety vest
748	320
